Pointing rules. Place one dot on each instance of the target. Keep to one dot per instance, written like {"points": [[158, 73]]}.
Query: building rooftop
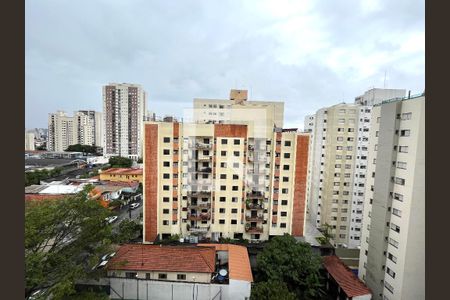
{"points": [[344, 277], [238, 261], [62, 189], [141, 257], [123, 171]]}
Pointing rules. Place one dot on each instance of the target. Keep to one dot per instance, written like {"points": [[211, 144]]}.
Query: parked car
{"points": [[134, 205], [111, 219]]}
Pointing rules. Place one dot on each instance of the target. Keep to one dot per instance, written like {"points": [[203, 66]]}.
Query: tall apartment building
{"points": [[392, 257], [84, 127], [61, 131], [376, 95], [309, 123], [237, 108], [89, 127], [337, 171], [29, 141], [234, 175], [124, 109]]}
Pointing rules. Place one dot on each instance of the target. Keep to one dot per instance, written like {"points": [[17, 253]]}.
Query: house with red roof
{"points": [[203, 271], [342, 282]]}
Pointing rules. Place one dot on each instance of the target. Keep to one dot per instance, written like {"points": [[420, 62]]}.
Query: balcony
{"points": [[255, 195], [199, 217], [204, 170], [197, 229], [198, 193], [199, 205], [199, 146], [253, 205], [256, 229], [257, 218]]}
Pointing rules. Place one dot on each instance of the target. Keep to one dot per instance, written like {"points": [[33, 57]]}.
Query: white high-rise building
{"points": [[124, 109], [376, 95], [392, 257], [29, 141], [84, 128]]}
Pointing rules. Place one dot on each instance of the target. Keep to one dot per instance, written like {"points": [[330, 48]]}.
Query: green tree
{"points": [[284, 259], [82, 148], [120, 162], [271, 290], [127, 230], [64, 239]]}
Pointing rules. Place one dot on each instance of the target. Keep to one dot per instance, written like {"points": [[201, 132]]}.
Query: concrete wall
{"points": [[122, 288]]}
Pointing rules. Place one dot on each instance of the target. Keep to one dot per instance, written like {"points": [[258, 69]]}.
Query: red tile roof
{"points": [[123, 171], [38, 197], [140, 257], [238, 260], [346, 279], [132, 184]]}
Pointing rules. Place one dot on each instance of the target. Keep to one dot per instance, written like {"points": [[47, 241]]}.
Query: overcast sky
{"points": [[309, 54]]}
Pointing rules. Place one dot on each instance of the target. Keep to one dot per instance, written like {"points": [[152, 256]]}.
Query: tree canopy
{"points": [[35, 177], [120, 162], [293, 263], [64, 239], [83, 148], [271, 290]]}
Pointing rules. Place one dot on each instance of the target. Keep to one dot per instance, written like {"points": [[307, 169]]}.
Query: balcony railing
{"points": [[199, 146], [257, 229], [251, 205], [199, 217], [198, 229], [199, 205], [258, 218], [198, 193], [255, 194]]}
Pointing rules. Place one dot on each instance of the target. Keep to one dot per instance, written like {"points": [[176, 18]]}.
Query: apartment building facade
{"points": [[124, 110], [223, 180], [377, 95], [236, 108], [29, 141], [392, 257], [89, 127]]}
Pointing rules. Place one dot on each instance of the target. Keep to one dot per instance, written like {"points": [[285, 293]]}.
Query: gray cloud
{"points": [[308, 54]]}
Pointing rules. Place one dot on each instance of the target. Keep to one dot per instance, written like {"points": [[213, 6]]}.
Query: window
{"points": [[223, 176], [166, 151], [165, 222], [287, 143], [132, 275], [166, 211], [223, 187], [349, 148], [147, 276], [223, 164], [282, 225], [166, 176], [341, 121], [399, 181], [284, 202], [401, 165], [348, 157], [237, 142], [389, 287], [342, 111], [233, 221], [236, 153], [224, 141], [342, 236], [166, 140], [351, 130], [223, 153], [166, 199], [395, 228], [339, 138], [397, 212], [405, 132], [222, 221], [287, 155], [403, 149], [338, 147], [222, 199], [393, 242], [181, 276], [236, 165], [235, 188], [398, 197], [235, 177], [285, 167], [222, 210], [234, 210], [285, 179], [284, 191], [390, 272], [392, 258], [165, 187], [340, 129], [350, 139], [338, 156], [166, 164], [234, 199], [162, 276], [406, 116]]}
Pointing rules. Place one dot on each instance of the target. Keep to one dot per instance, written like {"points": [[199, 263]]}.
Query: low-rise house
{"points": [[108, 191], [342, 283], [206, 271], [122, 174]]}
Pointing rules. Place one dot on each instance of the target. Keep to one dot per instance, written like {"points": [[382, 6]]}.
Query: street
{"points": [[125, 214]]}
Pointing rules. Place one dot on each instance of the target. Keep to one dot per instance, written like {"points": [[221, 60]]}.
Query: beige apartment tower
{"points": [[233, 178], [392, 257]]}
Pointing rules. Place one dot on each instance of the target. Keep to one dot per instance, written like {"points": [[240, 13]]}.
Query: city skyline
{"points": [[247, 46]]}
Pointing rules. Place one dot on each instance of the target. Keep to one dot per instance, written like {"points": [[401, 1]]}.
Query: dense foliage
{"points": [[120, 162], [271, 290], [293, 263], [82, 148], [64, 239], [34, 177]]}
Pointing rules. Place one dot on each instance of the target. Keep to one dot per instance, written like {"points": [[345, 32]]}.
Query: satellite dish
{"points": [[223, 272]]}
